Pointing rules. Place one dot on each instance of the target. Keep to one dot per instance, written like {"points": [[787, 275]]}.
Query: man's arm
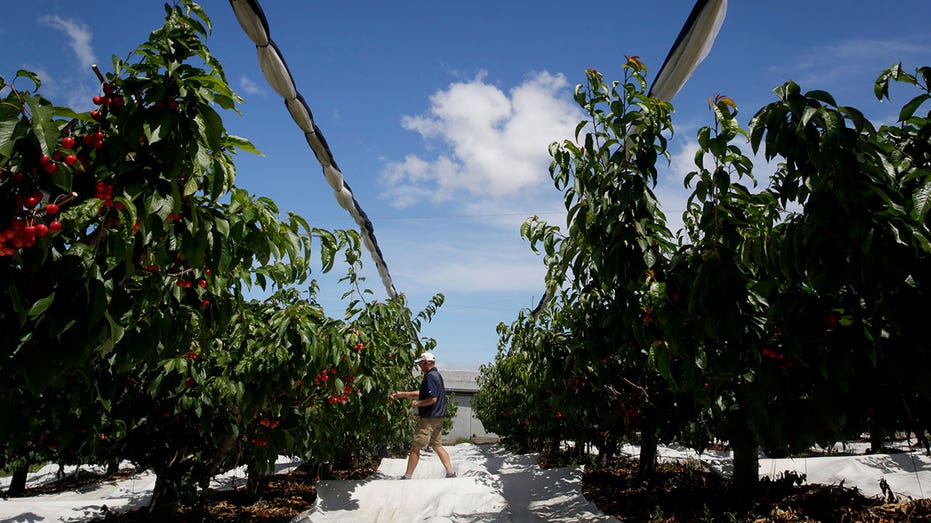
{"points": [[412, 394], [424, 403]]}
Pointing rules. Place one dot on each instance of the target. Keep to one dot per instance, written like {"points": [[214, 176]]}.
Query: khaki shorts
{"points": [[429, 432]]}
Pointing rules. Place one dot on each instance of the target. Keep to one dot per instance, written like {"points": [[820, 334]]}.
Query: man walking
{"points": [[430, 401]]}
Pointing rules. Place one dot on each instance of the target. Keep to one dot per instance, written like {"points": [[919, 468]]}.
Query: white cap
{"points": [[426, 356]]}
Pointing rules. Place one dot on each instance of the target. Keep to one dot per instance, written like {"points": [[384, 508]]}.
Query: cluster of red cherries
{"points": [[26, 226]]}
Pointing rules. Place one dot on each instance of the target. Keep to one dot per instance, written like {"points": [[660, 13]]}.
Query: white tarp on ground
{"points": [[492, 486], [95, 500]]}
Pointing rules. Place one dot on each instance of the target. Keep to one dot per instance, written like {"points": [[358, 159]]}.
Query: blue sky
{"points": [[440, 114]]}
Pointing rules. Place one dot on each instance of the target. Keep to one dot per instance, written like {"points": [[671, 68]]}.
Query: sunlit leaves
{"points": [[785, 298], [134, 316]]}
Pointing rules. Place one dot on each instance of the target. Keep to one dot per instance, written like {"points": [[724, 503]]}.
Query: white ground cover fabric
{"points": [[492, 485]]}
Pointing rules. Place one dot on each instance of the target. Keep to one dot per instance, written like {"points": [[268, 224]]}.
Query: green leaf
{"points": [[913, 106], [881, 86], [704, 138], [191, 185], [243, 144], [159, 204], [115, 334], [22, 73], [921, 202], [41, 306], [222, 226], [211, 127], [129, 210], [45, 130], [833, 123], [822, 96], [10, 121], [157, 126], [808, 114]]}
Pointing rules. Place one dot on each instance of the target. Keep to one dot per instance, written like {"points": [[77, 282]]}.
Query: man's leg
{"points": [[412, 460], [436, 443], [444, 458]]}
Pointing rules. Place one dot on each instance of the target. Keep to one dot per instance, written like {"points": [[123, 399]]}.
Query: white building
{"points": [[463, 385]]}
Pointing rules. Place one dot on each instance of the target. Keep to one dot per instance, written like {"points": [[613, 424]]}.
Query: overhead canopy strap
{"points": [[252, 19]]}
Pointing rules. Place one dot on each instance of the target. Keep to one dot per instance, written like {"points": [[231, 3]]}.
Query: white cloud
{"points": [[250, 86], [495, 144], [80, 36]]}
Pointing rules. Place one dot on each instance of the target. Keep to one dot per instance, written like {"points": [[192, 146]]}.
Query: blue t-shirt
{"points": [[432, 387]]}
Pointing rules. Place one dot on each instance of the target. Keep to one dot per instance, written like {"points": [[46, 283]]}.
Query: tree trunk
{"points": [[165, 497], [256, 483], [876, 439], [746, 461], [648, 445], [18, 481], [343, 459], [607, 450]]}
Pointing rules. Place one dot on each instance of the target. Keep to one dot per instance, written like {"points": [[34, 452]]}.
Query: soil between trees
{"points": [[677, 493]]}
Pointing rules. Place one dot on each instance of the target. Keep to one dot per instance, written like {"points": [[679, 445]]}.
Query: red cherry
{"points": [[51, 209], [71, 160], [32, 201], [44, 159], [118, 102], [98, 100], [207, 272], [96, 115], [202, 283], [54, 226], [41, 230], [67, 142], [30, 230], [205, 303], [108, 89], [189, 382], [56, 155], [50, 167]]}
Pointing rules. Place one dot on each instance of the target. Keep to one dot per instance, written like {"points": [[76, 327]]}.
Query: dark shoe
{"points": [[450, 474], [405, 477]]}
